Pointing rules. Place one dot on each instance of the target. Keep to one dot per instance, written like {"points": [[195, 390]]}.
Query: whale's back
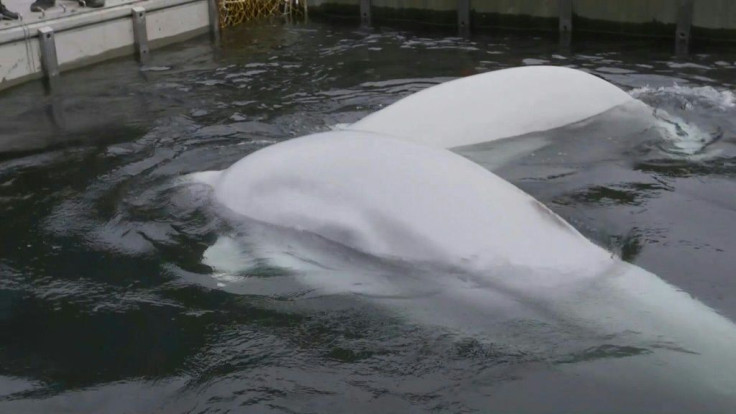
{"points": [[391, 198], [495, 105]]}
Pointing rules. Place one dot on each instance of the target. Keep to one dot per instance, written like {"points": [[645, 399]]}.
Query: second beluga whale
{"points": [[496, 105], [466, 113], [365, 210]]}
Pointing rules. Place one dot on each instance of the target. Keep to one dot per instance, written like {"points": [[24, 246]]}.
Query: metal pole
{"points": [[463, 17], [565, 24], [140, 34], [684, 24], [365, 12], [565, 16], [214, 20], [49, 61]]}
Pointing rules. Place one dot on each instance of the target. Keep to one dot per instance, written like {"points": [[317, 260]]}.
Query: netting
{"points": [[235, 12]]}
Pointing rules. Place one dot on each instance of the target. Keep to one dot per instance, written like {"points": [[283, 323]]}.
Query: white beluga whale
{"points": [[496, 105], [383, 207], [522, 102], [499, 249], [369, 212]]}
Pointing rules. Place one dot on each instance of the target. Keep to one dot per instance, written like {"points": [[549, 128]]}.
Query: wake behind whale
{"points": [[389, 219]]}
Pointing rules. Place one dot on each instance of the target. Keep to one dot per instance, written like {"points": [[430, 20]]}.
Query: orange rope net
{"points": [[235, 12]]}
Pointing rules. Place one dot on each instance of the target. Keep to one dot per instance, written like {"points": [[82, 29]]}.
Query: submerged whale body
{"points": [[494, 249]]}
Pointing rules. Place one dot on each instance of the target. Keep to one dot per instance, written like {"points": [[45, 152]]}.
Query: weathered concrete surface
{"points": [[715, 14], [628, 11], [714, 18], [63, 8], [439, 5], [84, 35], [535, 8]]}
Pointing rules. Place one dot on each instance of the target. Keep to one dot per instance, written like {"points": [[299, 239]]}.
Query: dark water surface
{"points": [[105, 305]]}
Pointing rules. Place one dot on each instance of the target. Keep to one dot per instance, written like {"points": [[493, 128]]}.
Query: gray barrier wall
{"points": [[706, 19], [44, 47]]}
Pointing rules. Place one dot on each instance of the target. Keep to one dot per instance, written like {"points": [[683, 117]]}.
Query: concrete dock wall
{"points": [[84, 38], [713, 19], [628, 11], [438, 5], [536, 8], [715, 14]]}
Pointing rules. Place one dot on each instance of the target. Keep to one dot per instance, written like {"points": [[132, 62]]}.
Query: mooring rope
{"points": [[30, 56]]}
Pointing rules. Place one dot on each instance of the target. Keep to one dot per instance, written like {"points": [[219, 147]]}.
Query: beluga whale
{"points": [[468, 114], [496, 105], [387, 216]]}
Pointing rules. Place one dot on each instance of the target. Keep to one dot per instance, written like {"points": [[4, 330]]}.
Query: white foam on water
{"points": [[203, 177], [707, 96], [674, 106], [681, 138]]}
